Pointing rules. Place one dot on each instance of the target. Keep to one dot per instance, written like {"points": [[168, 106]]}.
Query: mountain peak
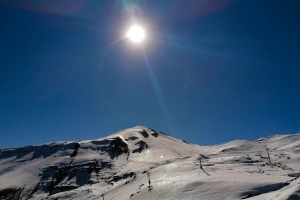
{"points": [[142, 163]]}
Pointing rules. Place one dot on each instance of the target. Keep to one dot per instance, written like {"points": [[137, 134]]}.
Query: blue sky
{"points": [[208, 72]]}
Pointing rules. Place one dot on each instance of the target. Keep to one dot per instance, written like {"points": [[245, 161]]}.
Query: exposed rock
{"points": [[142, 146], [155, 134], [144, 133], [10, 193], [119, 146]]}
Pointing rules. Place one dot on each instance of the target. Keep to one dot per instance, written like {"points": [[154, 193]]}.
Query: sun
{"points": [[136, 34]]}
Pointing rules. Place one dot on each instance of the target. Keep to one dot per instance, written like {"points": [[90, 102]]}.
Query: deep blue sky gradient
{"points": [[208, 72]]}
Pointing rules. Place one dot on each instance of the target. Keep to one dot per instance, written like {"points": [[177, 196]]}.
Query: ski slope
{"points": [[140, 163]]}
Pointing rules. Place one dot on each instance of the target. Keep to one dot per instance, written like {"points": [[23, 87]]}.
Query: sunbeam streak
{"points": [[158, 92], [205, 50]]}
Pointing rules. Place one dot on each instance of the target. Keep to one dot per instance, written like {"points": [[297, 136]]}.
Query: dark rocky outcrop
{"points": [[155, 134], [144, 133], [76, 147], [132, 138], [142, 146], [119, 146], [55, 178], [10, 193]]}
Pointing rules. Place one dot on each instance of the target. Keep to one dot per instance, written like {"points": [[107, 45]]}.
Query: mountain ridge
{"points": [[121, 165]]}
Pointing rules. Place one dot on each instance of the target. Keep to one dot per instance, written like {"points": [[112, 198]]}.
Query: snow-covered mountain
{"points": [[141, 163]]}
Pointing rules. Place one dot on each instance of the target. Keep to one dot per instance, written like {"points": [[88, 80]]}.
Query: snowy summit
{"points": [[141, 163]]}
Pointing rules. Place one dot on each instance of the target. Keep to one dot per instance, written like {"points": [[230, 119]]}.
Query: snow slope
{"points": [[141, 163]]}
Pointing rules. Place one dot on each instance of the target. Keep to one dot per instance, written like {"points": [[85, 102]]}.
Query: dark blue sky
{"points": [[209, 71]]}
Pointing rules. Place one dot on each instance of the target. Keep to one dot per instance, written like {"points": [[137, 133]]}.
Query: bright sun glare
{"points": [[136, 34]]}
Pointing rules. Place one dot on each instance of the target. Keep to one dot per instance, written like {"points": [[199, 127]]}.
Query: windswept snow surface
{"points": [[141, 163]]}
